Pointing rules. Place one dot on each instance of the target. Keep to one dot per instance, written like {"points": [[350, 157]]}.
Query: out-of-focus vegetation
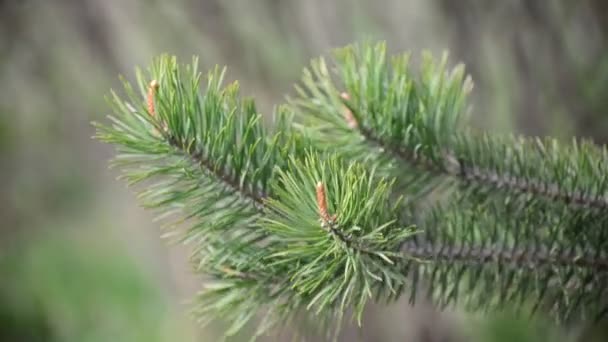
{"points": [[81, 262], [64, 288]]}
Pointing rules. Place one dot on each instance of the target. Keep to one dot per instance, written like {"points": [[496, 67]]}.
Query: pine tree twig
{"points": [[396, 115], [230, 182], [189, 150], [329, 223], [401, 153], [453, 166], [531, 258], [531, 186], [321, 228]]}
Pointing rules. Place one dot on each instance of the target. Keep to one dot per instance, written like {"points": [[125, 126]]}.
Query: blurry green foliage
{"points": [[58, 289], [505, 328]]}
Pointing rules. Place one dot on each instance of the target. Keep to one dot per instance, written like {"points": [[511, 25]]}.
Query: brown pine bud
{"points": [[322, 203], [152, 88], [348, 114]]}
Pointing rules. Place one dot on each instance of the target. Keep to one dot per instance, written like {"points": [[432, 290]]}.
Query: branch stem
{"points": [[229, 181], [529, 257], [488, 178]]}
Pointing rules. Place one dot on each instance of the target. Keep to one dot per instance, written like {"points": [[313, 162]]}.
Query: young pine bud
{"points": [[152, 88], [348, 114], [322, 204]]}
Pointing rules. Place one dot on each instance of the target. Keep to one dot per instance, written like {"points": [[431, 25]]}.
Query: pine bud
{"points": [[348, 114], [322, 203], [152, 88]]}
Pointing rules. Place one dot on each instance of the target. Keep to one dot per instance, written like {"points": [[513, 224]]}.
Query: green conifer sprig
{"points": [[366, 108], [338, 223], [369, 108], [204, 159], [307, 220], [412, 126], [520, 262], [246, 195]]}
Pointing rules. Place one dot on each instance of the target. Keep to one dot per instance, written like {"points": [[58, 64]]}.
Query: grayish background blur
{"points": [[79, 261]]}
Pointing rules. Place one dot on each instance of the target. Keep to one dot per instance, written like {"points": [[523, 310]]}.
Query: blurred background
{"points": [[80, 261]]}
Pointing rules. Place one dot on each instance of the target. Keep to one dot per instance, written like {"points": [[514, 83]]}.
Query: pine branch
{"points": [[283, 226], [230, 181], [411, 127], [344, 238], [471, 257], [385, 114], [468, 173], [530, 257], [209, 157]]}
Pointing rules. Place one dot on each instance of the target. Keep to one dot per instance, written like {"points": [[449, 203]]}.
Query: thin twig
{"points": [[490, 178], [529, 257]]}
